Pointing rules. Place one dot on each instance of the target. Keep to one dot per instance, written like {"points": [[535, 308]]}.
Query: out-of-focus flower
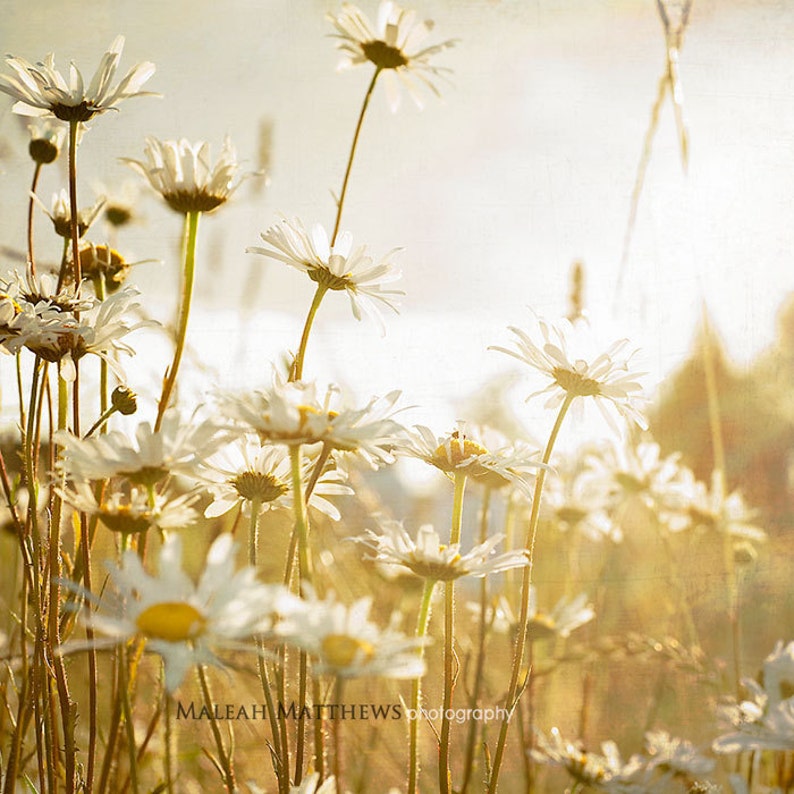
{"points": [[393, 45], [41, 90], [183, 174], [46, 140], [106, 264], [247, 472], [61, 214], [567, 615], [604, 377], [428, 558], [309, 785], [678, 756], [346, 644], [338, 268], [177, 448], [458, 453], [183, 622]]}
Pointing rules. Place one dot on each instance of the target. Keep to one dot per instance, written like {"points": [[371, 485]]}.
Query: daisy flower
{"points": [[177, 448], [183, 174], [456, 452], [346, 644], [678, 756], [567, 615], [249, 472], [46, 140], [338, 268], [41, 90], [61, 214], [428, 558], [183, 622], [132, 512], [604, 377], [393, 45]]}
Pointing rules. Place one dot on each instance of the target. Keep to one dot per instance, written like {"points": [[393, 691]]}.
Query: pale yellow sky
{"points": [[526, 165]]}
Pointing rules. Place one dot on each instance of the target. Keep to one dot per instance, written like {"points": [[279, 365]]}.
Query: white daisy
{"points": [[41, 90], [338, 268], [247, 471], [604, 377], [457, 452], [183, 174], [567, 615], [346, 644], [394, 46], [309, 785], [134, 511], [678, 756], [428, 558], [177, 448], [46, 140], [61, 214], [183, 622]]}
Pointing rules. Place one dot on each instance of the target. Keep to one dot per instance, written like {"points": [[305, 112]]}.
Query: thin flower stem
{"points": [[76, 264], [297, 365], [521, 631], [129, 726], [188, 277], [169, 739], [224, 757], [319, 730], [33, 185], [337, 732], [341, 203], [450, 674], [422, 622], [479, 667]]}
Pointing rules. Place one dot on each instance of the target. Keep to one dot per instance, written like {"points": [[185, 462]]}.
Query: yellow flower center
{"points": [[251, 485], [173, 621], [383, 55], [576, 384], [196, 200], [452, 454], [341, 650], [329, 280], [122, 518]]}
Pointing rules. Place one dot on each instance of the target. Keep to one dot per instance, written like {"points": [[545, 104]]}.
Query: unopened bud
{"points": [[124, 400]]}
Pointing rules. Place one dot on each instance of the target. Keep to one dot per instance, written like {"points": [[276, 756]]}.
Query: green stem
{"points": [[297, 365], [450, 674], [224, 757], [340, 205], [422, 622], [188, 277], [521, 631]]}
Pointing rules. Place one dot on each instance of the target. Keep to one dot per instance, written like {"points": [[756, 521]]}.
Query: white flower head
{"points": [[567, 615], [425, 556], [393, 45], [61, 214], [183, 173], [346, 644], [337, 268], [47, 137], [41, 90], [184, 622], [678, 756], [581, 373], [311, 785]]}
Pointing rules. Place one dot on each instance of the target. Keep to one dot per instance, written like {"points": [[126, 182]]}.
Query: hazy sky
{"points": [[526, 165]]}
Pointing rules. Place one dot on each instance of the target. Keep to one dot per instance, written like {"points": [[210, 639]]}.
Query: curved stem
{"points": [[422, 622], [188, 276], [297, 365], [341, 203], [450, 674], [34, 183], [521, 631]]}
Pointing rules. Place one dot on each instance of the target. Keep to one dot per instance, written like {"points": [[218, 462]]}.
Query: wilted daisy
{"points": [[61, 214], [393, 45], [46, 140], [183, 622], [346, 644], [458, 453], [604, 377], [426, 557], [338, 268], [41, 90], [248, 472], [133, 511], [183, 173], [178, 447]]}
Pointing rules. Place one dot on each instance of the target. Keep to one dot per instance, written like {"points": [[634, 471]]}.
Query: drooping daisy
{"points": [[604, 377], [134, 511], [346, 644], [426, 557], [41, 90], [248, 472], [393, 45], [46, 140], [457, 452], [178, 447], [186, 623], [183, 174], [61, 214], [338, 268]]}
